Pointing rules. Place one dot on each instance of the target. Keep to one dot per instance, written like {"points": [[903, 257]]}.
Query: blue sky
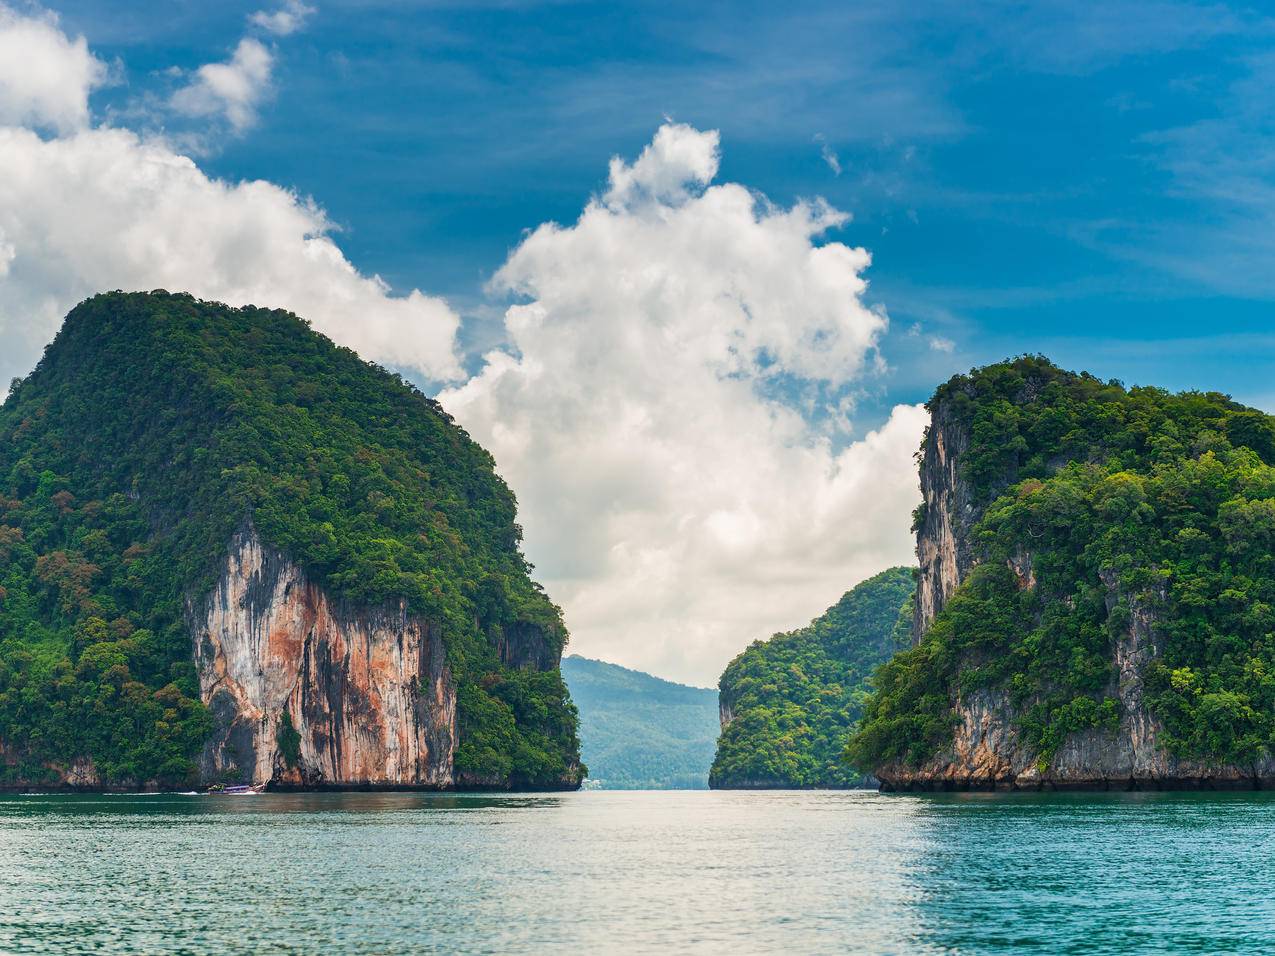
{"points": [[1089, 181], [707, 422]]}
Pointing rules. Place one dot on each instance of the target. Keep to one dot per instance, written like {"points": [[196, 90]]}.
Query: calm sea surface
{"points": [[667, 872]]}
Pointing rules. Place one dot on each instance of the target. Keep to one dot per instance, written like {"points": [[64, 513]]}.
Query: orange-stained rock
{"points": [[368, 691]]}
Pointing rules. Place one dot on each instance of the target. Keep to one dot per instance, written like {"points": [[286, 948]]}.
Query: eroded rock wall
{"points": [[79, 774], [725, 710], [368, 694], [943, 541]]}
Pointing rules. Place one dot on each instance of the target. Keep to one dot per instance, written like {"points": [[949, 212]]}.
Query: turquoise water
{"points": [[650, 872]]}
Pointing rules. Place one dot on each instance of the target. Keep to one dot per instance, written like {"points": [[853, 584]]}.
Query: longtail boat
{"points": [[235, 790]]}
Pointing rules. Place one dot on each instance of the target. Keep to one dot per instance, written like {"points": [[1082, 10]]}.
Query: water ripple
{"points": [[684, 872]]}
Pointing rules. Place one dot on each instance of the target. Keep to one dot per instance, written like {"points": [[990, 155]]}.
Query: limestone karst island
{"points": [[236, 554]]}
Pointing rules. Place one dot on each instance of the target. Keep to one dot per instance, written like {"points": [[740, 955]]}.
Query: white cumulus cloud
{"points": [[233, 90], [284, 21], [651, 408], [99, 208], [45, 76], [677, 159]]}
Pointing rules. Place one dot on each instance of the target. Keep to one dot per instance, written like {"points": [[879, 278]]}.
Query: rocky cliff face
{"points": [[80, 774], [725, 711], [527, 646], [987, 751], [943, 541], [305, 692]]}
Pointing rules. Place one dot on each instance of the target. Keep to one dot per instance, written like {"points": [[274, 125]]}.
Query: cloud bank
{"points": [[92, 208], [656, 412]]}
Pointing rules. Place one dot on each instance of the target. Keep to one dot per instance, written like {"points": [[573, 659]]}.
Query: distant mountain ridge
{"points": [[638, 731]]}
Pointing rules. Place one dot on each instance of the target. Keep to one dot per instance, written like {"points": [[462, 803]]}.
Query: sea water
{"points": [[638, 872]]}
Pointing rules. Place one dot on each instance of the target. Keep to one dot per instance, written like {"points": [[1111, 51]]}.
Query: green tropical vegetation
{"points": [[638, 732], [157, 425], [1127, 501], [793, 699]]}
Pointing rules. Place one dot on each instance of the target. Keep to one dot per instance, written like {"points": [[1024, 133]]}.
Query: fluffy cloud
{"points": [[233, 89], [45, 76], [655, 412], [286, 20], [100, 208], [678, 159]]}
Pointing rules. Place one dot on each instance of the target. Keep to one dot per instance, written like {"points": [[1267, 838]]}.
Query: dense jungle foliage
{"points": [[794, 698], [639, 732], [1128, 504], [157, 425]]}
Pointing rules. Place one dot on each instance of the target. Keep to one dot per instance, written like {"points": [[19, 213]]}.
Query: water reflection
{"points": [[186, 804]]}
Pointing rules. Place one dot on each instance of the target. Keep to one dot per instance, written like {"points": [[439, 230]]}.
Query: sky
{"points": [[687, 270]]}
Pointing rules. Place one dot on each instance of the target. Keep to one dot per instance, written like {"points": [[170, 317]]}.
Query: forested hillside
{"points": [[1114, 551], [154, 428], [788, 703]]}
